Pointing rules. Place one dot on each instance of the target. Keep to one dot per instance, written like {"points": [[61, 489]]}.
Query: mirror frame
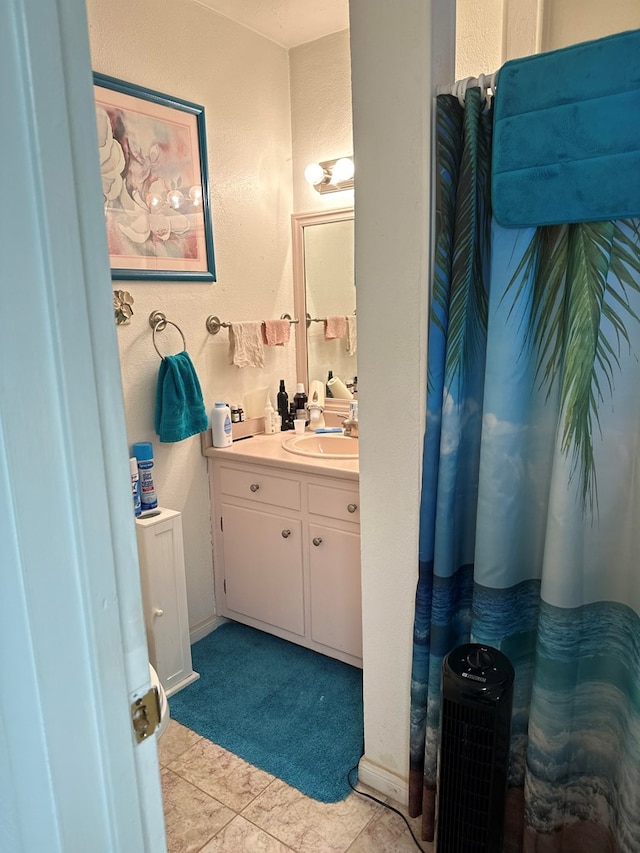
{"points": [[299, 221]]}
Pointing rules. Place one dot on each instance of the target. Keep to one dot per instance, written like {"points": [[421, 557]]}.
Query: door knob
{"points": [[352, 507], [286, 534], [254, 487], [317, 541], [158, 611]]}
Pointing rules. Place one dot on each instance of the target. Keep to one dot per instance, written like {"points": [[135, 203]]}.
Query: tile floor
{"points": [[214, 802]]}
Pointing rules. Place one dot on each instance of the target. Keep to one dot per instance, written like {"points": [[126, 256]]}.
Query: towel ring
{"points": [[159, 323]]}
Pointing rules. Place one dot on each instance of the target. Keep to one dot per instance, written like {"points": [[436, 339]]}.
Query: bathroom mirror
{"points": [[324, 286]]}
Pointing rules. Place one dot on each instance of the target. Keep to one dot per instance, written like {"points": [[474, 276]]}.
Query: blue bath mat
{"points": [[566, 146], [283, 708]]}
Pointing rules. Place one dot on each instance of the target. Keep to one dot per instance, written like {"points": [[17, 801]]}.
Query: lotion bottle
{"points": [[269, 419]]}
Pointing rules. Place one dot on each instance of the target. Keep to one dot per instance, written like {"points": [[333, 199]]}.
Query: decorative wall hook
{"points": [[122, 302]]}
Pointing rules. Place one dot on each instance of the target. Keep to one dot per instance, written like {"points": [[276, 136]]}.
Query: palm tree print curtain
{"points": [[530, 511]]}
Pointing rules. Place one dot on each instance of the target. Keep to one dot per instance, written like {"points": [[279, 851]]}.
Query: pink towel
{"points": [[275, 333], [335, 327], [245, 344]]}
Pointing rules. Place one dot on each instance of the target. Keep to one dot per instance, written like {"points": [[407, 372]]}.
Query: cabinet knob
{"points": [[286, 534], [254, 487], [352, 507], [158, 611], [317, 540]]}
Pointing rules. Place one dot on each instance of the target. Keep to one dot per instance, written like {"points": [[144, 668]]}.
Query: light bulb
{"points": [[342, 170], [175, 198], [314, 173], [153, 201]]}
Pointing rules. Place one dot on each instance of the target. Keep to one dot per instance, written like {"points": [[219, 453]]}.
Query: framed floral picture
{"points": [[153, 163]]}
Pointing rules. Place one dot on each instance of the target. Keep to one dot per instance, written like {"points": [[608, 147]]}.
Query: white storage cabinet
{"points": [[287, 555]]}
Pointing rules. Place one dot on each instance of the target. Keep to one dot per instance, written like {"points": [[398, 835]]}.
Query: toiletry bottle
{"points": [[283, 405], [235, 414], [300, 398], [269, 419], [328, 391], [221, 425], [143, 452], [135, 486]]}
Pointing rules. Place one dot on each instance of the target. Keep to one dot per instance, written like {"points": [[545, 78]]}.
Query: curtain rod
{"points": [[484, 81]]}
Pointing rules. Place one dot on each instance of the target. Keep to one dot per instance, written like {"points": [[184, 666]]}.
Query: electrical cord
{"points": [[386, 806]]}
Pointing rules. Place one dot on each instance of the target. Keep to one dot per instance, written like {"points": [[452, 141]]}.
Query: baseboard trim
{"points": [[200, 631], [384, 781]]}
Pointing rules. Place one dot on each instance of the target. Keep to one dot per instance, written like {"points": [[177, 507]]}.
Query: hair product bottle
{"points": [[143, 452], [328, 391], [282, 403], [135, 485]]}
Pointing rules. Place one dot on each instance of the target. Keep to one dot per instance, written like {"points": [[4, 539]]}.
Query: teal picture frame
{"points": [[155, 181]]}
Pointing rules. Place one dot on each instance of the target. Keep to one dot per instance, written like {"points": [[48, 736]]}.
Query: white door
{"points": [[72, 647]]}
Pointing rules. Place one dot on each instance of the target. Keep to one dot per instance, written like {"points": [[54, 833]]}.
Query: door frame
{"points": [[73, 652]]}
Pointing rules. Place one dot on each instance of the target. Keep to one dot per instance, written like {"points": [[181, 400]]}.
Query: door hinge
{"points": [[145, 714]]}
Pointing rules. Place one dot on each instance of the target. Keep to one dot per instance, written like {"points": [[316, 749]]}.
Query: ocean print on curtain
{"points": [[530, 512]]}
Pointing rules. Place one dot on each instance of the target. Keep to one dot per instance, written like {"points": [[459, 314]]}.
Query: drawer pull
{"points": [[286, 534], [317, 540], [352, 507], [158, 611], [254, 487]]}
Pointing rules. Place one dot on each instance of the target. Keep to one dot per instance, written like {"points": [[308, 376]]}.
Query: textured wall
{"points": [[242, 80], [320, 115], [571, 21], [479, 37]]}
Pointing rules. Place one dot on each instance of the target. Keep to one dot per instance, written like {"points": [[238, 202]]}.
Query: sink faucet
{"points": [[350, 424]]}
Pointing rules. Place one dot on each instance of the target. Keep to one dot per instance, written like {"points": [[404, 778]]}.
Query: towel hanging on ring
{"points": [[180, 411]]}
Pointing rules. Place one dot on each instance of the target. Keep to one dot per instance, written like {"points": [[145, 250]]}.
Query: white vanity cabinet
{"points": [[286, 547]]}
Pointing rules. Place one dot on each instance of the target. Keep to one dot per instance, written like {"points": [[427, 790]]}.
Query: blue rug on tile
{"points": [[283, 708]]}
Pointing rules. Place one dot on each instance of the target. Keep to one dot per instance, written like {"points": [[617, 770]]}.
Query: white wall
{"points": [[396, 61], [321, 116], [242, 80], [570, 21]]}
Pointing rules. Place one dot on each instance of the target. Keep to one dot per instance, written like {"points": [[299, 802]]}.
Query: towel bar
{"points": [[214, 324]]}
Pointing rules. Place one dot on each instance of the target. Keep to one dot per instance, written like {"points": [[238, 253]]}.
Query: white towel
{"points": [[245, 344], [352, 335]]}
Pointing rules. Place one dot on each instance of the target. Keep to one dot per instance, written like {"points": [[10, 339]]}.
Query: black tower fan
{"points": [[473, 760]]}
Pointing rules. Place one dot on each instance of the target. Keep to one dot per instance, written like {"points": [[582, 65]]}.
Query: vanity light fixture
{"points": [[331, 176]]}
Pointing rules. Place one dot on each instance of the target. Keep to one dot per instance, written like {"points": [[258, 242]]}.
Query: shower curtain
{"points": [[530, 510]]}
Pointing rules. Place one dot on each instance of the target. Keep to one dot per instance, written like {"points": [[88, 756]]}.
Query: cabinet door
{"points": [[334, 573], [164, 590], [263, 567]]}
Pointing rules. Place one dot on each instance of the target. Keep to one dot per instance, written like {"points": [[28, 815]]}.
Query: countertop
{"points": [[268, 450]]}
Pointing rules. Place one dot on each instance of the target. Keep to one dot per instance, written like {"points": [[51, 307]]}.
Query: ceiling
{"points": [[287, 22]]}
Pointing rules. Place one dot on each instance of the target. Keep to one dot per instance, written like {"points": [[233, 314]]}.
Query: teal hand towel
{"points": [[180, 410], [566, 139]]}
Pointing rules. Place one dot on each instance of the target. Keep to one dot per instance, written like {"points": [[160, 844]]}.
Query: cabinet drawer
{"points": [[334, 503], [264, 488]]}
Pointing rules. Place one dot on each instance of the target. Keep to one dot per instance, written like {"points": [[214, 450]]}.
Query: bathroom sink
{"points": [[325, 446]]}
